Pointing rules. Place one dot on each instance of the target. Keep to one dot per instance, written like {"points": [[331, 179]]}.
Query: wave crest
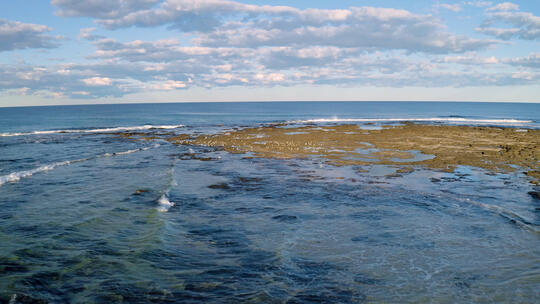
{"points": [[429, 119], [16, 176], [164, 203], [103, 130]]}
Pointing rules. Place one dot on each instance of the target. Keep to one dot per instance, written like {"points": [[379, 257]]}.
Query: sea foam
{"points": [[429, 119], [16, 176], [103, 130], [164, 203]]}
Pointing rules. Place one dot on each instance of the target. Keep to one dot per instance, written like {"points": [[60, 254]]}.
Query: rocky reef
{"points": [[433, 146], [440, 147]]}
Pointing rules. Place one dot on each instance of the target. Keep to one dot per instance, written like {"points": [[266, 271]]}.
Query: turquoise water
{"points": [[88, 216]]}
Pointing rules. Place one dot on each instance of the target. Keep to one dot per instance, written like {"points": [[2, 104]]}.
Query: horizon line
{"points": [[266, 101]]}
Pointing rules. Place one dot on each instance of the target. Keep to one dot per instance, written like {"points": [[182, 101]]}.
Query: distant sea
{"points": [[87, 215]]}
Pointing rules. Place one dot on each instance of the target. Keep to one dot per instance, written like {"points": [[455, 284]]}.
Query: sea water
{"points": [[90, 216]]}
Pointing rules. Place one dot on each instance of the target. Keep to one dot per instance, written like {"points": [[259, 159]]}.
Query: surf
{"points": [[164, 203], [101, 130], [17, 176], [428, 119]]}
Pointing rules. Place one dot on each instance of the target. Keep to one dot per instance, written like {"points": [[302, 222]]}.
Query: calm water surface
{"points": [[89, 216]]}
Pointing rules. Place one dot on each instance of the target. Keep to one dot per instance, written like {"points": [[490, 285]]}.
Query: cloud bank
{"points": [[220, 43], [16, 35], [522, 25]]}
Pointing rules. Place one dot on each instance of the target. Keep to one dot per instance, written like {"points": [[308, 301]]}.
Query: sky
{"points": [[129, 51]]}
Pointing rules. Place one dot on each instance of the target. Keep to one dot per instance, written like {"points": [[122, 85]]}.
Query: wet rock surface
{"points": [[493, 149]]}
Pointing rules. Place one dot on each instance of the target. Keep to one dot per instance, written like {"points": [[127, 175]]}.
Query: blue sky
{"points": [[105, 51]]}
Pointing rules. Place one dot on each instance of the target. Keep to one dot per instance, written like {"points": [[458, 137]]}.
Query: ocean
{"points": [[89, 215]]}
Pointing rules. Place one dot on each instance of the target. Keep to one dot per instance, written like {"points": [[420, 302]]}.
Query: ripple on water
{"points": [[280, 231]]}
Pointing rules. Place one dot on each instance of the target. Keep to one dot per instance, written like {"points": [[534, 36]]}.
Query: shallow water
{"points": [[148, 221]]}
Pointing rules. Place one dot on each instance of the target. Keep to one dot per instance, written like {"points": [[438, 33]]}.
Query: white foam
{"points": [[164, 203], [16, 176], [123, 152], [128, 152], [430, 119], [104, 130]]}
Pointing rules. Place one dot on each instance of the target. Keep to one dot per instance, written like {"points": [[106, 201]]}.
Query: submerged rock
{"points": [[219, 186], [405, 170], [140, 191], [366, 280], [285, 218], [535, 174], [12, 265], [207, 158], [535, 194], [250, 179]]}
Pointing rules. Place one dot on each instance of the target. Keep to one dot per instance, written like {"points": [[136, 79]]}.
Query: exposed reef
{"points": [[432, 146], [440, 147]]}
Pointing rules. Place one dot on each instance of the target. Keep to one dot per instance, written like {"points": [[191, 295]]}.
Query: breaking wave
{"points": [[430, 119], [103, 130], [128, 151], [16, 176], [164, 203]]}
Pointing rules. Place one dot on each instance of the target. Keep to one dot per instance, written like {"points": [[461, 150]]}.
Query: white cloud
{"points": [[369, 28], [20, 91], [117, 77], [16, 35], [167, 85], [236, 44], [81, 93], [523, 25], [502, 33], [478, 3], [190, 15], [97, 81], [505, 6], [53, 82], [86, 33], [100, 8], [469, 59], [531, 61], [269, 77], [222, 23], [451, 7], [524, 75]]}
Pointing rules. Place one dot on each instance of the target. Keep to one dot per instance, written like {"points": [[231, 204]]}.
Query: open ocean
{"points": [[90, 216]]}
